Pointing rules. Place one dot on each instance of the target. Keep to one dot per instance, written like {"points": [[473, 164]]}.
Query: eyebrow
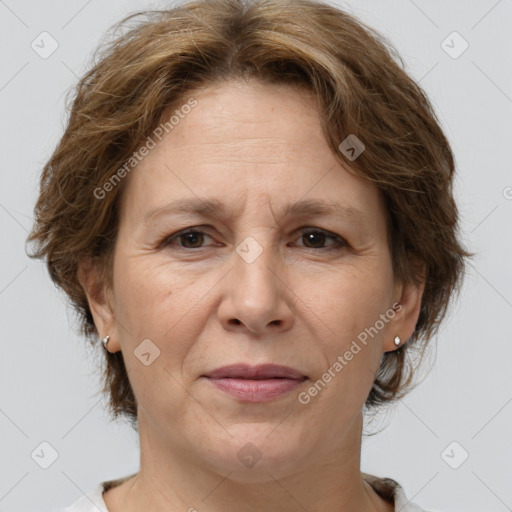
{"points": [[215, 208]]}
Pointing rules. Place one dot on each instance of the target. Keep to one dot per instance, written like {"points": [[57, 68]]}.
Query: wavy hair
{"points": [[159, 57]]}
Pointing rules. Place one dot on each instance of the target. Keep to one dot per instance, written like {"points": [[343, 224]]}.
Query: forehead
{"points": [[271, 121], [244, 140]]}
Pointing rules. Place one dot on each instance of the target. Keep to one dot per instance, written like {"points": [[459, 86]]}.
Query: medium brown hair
{"points": [[361, 88]]}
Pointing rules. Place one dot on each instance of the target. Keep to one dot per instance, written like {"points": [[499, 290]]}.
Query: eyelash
{"points": [[339, 243]]}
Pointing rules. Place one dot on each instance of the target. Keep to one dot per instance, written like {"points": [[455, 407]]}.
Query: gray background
{"points": [[48, 388]]}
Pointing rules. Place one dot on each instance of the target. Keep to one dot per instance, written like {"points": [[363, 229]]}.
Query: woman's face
{"points": [[259, 280]]}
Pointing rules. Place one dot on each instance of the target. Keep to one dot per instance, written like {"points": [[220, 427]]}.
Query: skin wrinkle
{"points": [[258, 149], [294, 305]]}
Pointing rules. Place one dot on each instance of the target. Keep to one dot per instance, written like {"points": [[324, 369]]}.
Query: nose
{"points": [[257, 298]]}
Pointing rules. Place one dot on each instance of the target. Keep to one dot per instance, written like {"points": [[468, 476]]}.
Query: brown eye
{"points": [[312, 238], [191, 239], [194, 238], [316, 239]]}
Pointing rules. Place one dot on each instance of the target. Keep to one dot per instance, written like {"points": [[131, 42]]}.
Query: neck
{"points": [[171, 480]]}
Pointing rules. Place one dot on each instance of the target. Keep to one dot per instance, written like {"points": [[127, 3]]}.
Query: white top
{"points": [[386, 487]]}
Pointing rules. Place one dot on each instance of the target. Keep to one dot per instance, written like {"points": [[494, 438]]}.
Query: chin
{"points": [[257, 453]]}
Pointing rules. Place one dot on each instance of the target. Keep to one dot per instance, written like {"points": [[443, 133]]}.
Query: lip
{"points": [[261, 383], [260, 372]]}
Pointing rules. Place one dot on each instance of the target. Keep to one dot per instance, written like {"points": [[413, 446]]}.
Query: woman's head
{"points": [[251, 104]]}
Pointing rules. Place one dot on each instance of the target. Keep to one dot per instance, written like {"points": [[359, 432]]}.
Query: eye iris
{"points": [[195, 239], [191, 237], [312, 234]]}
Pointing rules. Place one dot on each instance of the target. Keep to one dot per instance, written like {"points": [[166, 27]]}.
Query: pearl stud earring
{"points": [[105, 341]]}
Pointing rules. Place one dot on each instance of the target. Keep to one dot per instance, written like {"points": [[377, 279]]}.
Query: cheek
{"points": [[149, 297], [351, 299], [164, 305], [349, 309], [155, 304]]}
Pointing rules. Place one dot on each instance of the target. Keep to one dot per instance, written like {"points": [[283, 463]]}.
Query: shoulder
{"points": [[388, 488], [93, 500], [392, 491]]}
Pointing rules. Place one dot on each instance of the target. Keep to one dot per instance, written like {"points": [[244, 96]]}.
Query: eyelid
{"points": [[199, 229], [339, 242]]}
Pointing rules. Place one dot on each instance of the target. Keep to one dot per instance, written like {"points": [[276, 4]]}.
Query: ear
{"points": [[408, 296], [98, 294]]}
